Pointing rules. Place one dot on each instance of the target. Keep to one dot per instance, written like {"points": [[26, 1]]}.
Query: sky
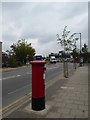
{"points": [[39, 23]]}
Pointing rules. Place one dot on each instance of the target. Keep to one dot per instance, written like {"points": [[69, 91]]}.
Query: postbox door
{"points": [[41, 89]]}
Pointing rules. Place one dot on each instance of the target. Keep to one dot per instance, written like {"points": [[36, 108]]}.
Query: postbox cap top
{"points": [[38, 61]]}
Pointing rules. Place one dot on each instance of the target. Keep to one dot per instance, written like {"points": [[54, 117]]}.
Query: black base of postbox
{"points": [[38, 103]]}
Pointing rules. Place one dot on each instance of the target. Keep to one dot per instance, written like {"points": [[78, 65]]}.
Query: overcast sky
{"points": [[39, 23]]}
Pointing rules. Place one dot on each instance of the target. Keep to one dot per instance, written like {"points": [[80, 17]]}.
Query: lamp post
{"points": [[80, 44], [80, 41]]}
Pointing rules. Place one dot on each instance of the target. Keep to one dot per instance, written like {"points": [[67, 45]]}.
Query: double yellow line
{"points": [[15, 104]]}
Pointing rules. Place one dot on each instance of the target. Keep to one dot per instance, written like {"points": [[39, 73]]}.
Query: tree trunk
{"points": [[74, 64], [66, 69], [65, 66]]}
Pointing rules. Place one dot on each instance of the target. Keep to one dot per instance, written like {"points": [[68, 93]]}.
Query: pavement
{"points": [[65, 98]]}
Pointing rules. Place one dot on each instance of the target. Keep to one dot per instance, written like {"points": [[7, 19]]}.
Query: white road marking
{"points": [[9, 77], [52, 68], [17, 90], [14, 76], [64, 87], [18, 75]]}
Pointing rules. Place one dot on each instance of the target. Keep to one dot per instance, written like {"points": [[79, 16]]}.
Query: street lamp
{"points": [[80, 41], [80, 45]]}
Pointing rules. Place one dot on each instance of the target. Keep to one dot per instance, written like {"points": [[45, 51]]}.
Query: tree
{"points": [[85, 52], [21, 49], [67, 42], [75, 53], [12, 62], [85, 49]]}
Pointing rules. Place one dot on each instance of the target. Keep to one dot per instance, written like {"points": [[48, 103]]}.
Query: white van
{"points": [[53, 59]]}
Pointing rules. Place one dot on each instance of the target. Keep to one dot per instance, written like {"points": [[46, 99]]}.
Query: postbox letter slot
{"points": [[43, 76]]}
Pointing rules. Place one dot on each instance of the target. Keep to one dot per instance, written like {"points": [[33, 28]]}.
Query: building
{"points": [[4, 59], [0, 54]]}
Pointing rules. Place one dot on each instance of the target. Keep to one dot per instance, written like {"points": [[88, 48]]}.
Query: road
{"points": [[17, 83]]}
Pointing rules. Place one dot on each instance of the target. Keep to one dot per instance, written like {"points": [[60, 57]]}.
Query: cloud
{"points": [[0, 22], [40, 22], [45, 1]]}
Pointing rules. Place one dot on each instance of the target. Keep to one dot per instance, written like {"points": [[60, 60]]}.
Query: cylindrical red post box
{"points": [[38, 85]]}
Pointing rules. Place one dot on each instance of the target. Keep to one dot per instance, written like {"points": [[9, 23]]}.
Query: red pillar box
{"points": [[38, 85]]}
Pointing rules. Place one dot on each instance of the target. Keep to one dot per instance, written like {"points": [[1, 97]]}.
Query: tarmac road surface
{"points": [[18, 82]]}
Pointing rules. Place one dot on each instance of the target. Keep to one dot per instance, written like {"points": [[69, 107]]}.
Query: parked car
{"points": [[61, 60], [5, 64], [68, 59], [27, 63], [58, 60]]}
